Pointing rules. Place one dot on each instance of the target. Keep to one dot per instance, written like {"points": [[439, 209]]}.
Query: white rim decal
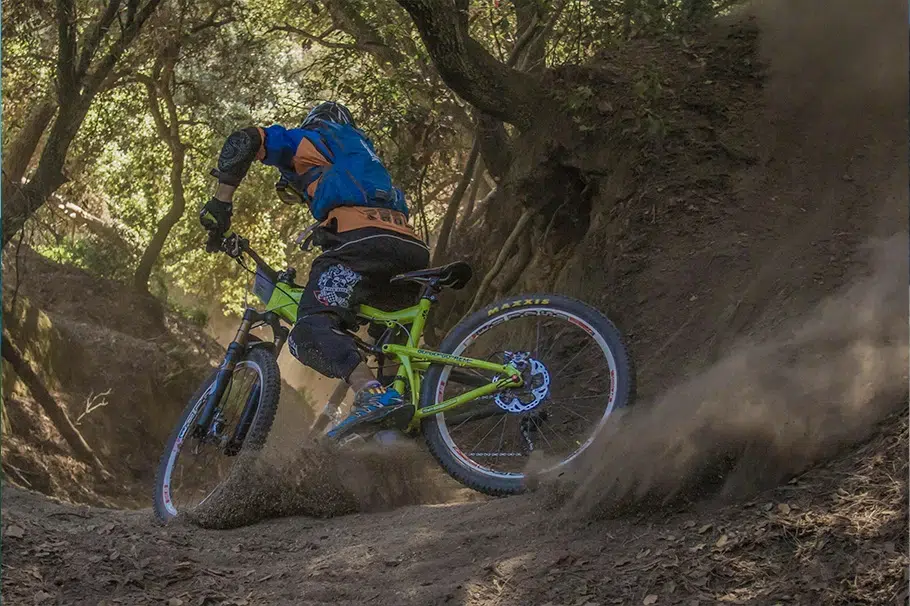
{"points": [[521, 312]]}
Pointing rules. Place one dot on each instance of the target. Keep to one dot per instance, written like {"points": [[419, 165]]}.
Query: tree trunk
{"points": [[168, 221], [476, 180], [346, 17], [495, 146], [54, 411], [49, 174], [530, 56], [469, 70], [19, 153], [697, 11], [448, 220], [78, 80], [96, 225]]}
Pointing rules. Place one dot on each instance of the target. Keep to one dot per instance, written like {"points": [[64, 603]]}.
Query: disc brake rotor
{"points": [[535, 389]]}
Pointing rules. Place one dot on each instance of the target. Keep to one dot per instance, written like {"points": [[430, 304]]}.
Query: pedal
{"points": [[400, 419], [390, 437]]}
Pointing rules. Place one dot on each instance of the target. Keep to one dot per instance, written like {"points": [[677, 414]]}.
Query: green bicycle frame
{"points": [[413, 361]]}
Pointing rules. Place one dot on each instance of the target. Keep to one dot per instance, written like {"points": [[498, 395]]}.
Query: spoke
{"points": [[463, 422], [473, 448], [473, 430], [502, 436], [572, 359], [560, 334], [572, 412], [541, 433], [581, 372], [558, 435], [597, 395]]}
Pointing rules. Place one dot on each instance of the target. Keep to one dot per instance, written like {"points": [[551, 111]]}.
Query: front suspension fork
{"points": [[234, 353], [246, 421]]}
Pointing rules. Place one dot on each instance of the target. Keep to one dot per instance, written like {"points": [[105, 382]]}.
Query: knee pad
{"points": [[315, 341]]}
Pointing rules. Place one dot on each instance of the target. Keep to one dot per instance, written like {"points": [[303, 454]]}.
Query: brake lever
{"points": [[233, 246]]}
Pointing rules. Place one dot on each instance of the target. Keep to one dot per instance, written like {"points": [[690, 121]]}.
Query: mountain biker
{"points": [[331, 166]]}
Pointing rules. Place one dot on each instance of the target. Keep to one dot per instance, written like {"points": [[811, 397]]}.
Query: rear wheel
{"points": [[193, 468], [577, 372]]}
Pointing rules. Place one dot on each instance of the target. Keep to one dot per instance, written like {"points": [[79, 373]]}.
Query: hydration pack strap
{"points": [[305, 238]]}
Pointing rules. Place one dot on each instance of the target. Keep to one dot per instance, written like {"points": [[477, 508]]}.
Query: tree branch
{"points": [[320, 40], [469, 70], [523, 41], [346, 17], [504, 253], [211, 21], [98, 226], [131, 8], [448, 220], [165, 91], [66, 51], [94, 36], [94, 80], [539, 41], [472, 196], [154, 108], [51, 407]]}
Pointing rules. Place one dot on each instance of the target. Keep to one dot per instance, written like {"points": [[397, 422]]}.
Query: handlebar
{"points": [[235, 245]]}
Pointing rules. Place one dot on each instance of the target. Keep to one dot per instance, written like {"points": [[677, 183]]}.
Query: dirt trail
{"points": [[791, 545], [771, 366]]}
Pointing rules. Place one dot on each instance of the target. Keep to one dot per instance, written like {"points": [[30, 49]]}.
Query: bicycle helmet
{"points": [[330, 112]]}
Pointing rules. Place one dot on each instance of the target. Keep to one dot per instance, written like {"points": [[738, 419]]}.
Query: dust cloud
{"points": [[765, 412], [318, 482], [295, 414], [835, 142]]}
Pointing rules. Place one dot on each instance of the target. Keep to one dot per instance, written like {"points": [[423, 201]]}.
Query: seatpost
{"points": [[429, 290]]}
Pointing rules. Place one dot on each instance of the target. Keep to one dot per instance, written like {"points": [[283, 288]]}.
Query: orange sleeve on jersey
{"points": [[307, 157]]}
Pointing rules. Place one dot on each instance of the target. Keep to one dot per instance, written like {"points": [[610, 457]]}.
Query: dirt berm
{"points": [[766, 302], [120, 365]]}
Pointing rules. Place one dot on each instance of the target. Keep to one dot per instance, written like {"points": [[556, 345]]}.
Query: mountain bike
{"points": [[528, 375]]}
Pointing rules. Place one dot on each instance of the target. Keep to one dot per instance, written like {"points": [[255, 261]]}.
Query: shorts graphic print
{"points": [[336, 285]]}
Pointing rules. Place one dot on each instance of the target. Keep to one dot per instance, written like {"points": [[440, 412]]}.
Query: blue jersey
{"points": [[332, 165]]}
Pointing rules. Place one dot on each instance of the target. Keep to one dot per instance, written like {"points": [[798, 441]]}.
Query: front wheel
{"points": [[193, 467], [576, 369]]}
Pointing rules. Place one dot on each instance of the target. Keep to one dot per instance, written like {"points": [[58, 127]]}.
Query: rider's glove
{"points": [[215, 217]]}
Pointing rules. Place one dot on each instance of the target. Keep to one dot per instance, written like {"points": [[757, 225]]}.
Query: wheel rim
{"points": [[555, 402], [231, 405]]}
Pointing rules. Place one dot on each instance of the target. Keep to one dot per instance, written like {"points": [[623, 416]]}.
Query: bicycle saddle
{"points": [[454, 275]]}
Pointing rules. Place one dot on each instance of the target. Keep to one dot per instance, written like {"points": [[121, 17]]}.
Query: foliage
{"points": [[90, 253], [264, 62]]}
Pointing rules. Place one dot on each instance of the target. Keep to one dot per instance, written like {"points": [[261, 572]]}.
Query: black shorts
{"points": [[357, 269], [354, 268]]}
